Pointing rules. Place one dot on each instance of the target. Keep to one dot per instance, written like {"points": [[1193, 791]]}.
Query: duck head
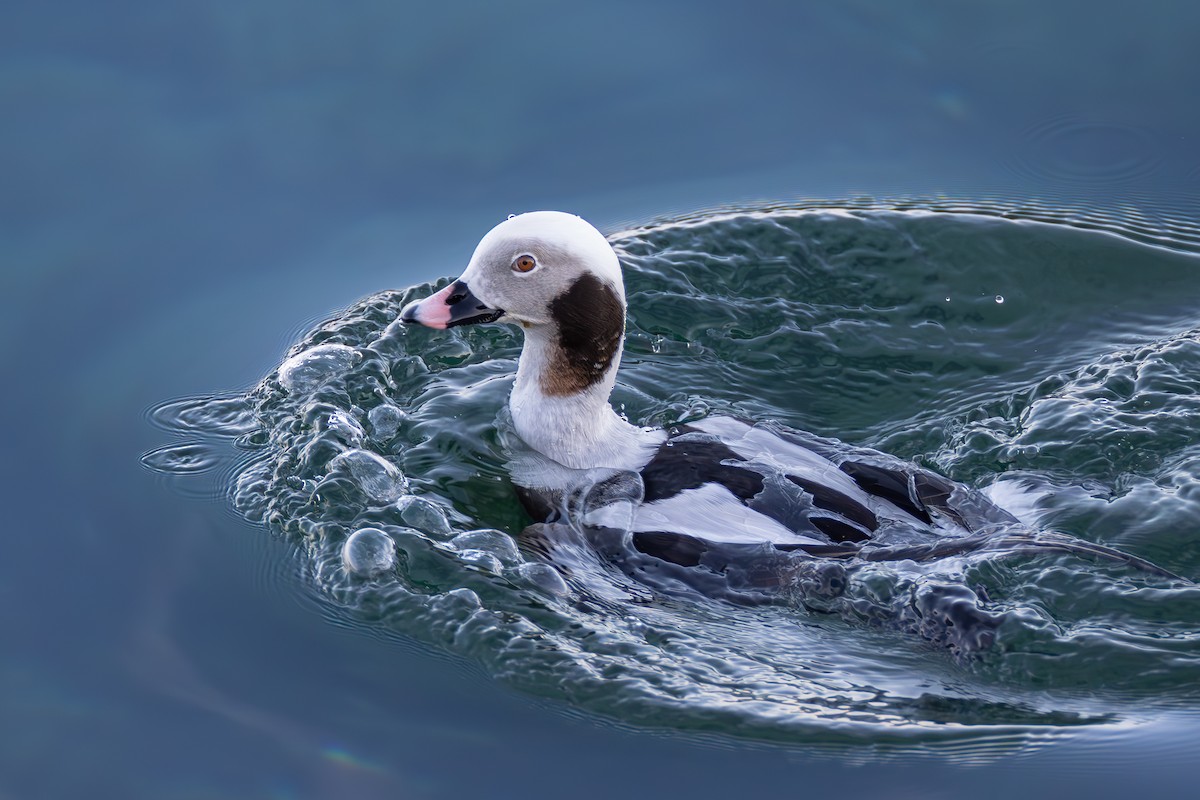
{"points": [[554, 275], [558, 278]]}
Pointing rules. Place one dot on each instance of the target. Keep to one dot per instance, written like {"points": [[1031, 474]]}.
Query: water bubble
{"points": [[423, 515], [385, 421], [346, 427], [368, 552], [482, 561], [461, 598], [306, 371], [999, 298], [376, 476], [497, 543], [544, 577]]}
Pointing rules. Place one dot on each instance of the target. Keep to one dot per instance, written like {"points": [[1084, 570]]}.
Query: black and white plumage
{"points": [[706, 490]]}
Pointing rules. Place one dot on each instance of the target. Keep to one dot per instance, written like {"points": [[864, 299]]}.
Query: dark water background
{"points": [[187, 188]]}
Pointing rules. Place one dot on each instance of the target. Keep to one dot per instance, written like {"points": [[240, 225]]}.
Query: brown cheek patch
{"points": [[591, 322]]}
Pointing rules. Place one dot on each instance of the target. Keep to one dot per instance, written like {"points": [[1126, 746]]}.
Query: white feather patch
{"points": [[713, 513]]}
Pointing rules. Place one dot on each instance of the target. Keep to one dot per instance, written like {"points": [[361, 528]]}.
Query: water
{"points": [[192, 191], [850, 321]]}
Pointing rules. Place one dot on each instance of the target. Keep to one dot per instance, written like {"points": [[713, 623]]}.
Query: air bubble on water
{"points": [[498, 543], [544, 577], [385, 421], [376, 476], [482, 561], [306, 371], [999, 298], [423, 515], [347, 427], [368, 552], [461, 598]]}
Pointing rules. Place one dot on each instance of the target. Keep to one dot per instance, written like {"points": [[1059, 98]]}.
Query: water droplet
{"points": [[368, 552]]}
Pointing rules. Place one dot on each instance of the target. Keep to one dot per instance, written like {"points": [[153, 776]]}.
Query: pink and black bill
{"points": [[454, 305]]}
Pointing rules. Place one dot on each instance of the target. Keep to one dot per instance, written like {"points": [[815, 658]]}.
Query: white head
{"points": [[558, 278]]}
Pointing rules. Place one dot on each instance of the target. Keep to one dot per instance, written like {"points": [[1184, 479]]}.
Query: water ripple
{"points": [[228, 415], [183, 459], [873, 320], [1081, 151]]}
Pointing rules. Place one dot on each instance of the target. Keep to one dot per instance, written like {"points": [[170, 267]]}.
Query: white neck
{"points": [[578, 430]]}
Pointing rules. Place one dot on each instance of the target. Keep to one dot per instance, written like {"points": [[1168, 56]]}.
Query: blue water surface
{"points": [[188, 187]]}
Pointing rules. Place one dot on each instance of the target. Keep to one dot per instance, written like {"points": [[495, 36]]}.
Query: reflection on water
{"points": [[1079, 412]]}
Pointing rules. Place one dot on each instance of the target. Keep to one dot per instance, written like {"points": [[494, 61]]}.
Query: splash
{"points": [[829, 319]]}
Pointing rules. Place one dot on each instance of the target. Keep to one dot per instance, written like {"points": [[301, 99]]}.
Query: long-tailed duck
{"points": [[701, 493]]}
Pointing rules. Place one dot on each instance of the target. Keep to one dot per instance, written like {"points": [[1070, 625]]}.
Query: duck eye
{"points": [[524, 264]]}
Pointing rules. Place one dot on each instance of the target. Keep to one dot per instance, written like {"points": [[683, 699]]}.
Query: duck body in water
{"points": [[701, 502]]}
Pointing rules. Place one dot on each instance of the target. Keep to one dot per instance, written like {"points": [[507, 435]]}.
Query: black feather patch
{"points": [[832, 500], [678, 548], [591, 324], [838, 531], [889, 484], [681, 465]]}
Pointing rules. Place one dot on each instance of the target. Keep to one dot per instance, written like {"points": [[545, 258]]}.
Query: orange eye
{"points": [[524, 263]]}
